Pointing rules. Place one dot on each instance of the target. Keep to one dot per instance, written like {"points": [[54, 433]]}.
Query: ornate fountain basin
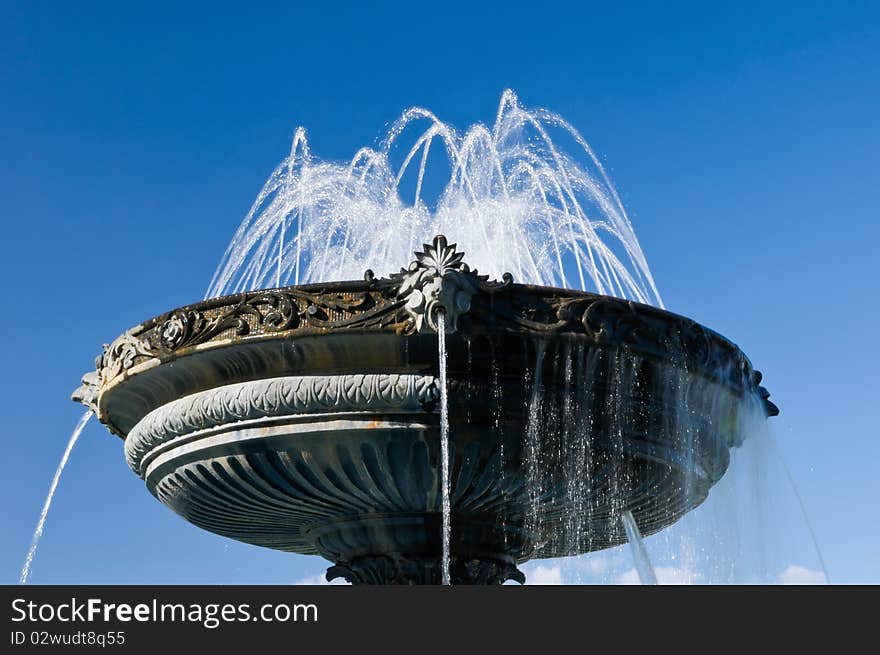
{"points": [[306, 418]]}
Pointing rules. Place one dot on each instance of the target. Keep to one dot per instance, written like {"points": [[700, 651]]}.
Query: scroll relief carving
{"points": [[437, 283]]}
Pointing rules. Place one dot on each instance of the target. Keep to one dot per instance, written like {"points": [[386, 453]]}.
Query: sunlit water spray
{"points": [[35, 541], [751, 529], [527, 196]]}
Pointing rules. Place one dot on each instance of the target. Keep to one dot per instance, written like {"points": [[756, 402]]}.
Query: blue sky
{"points": [[742, 138]]}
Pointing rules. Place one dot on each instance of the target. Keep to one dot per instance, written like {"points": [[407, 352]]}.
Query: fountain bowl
{"points": [[306, 418]]}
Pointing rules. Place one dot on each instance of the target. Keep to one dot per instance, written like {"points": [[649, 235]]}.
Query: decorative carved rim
{"points": [[405, 303]]}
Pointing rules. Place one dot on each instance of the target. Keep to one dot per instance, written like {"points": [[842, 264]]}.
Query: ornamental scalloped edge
{"points": [[407, 303]]}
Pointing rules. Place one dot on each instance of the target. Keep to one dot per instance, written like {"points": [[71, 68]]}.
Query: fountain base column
{"points": [[404, 550], [421, 570]]}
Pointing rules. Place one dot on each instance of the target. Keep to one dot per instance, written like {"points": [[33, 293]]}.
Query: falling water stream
{"points": [[35, 541], [444, 447], [640, 553], [803, 509]]}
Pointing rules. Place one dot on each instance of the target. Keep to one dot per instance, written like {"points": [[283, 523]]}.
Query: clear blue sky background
{"points": [[743, 139]]}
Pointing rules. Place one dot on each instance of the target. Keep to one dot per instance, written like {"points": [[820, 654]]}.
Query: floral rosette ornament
{"points": [[437, 283]]}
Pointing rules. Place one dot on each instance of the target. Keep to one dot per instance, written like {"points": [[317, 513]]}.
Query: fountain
{"points": [[307, 418], [432, 425]]}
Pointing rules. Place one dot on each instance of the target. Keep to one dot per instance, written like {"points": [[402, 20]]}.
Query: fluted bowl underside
{"points": [[345, 465]]}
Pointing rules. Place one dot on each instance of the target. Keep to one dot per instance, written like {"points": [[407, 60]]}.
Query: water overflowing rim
{"points": [[437, 286], [374, 306]]}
